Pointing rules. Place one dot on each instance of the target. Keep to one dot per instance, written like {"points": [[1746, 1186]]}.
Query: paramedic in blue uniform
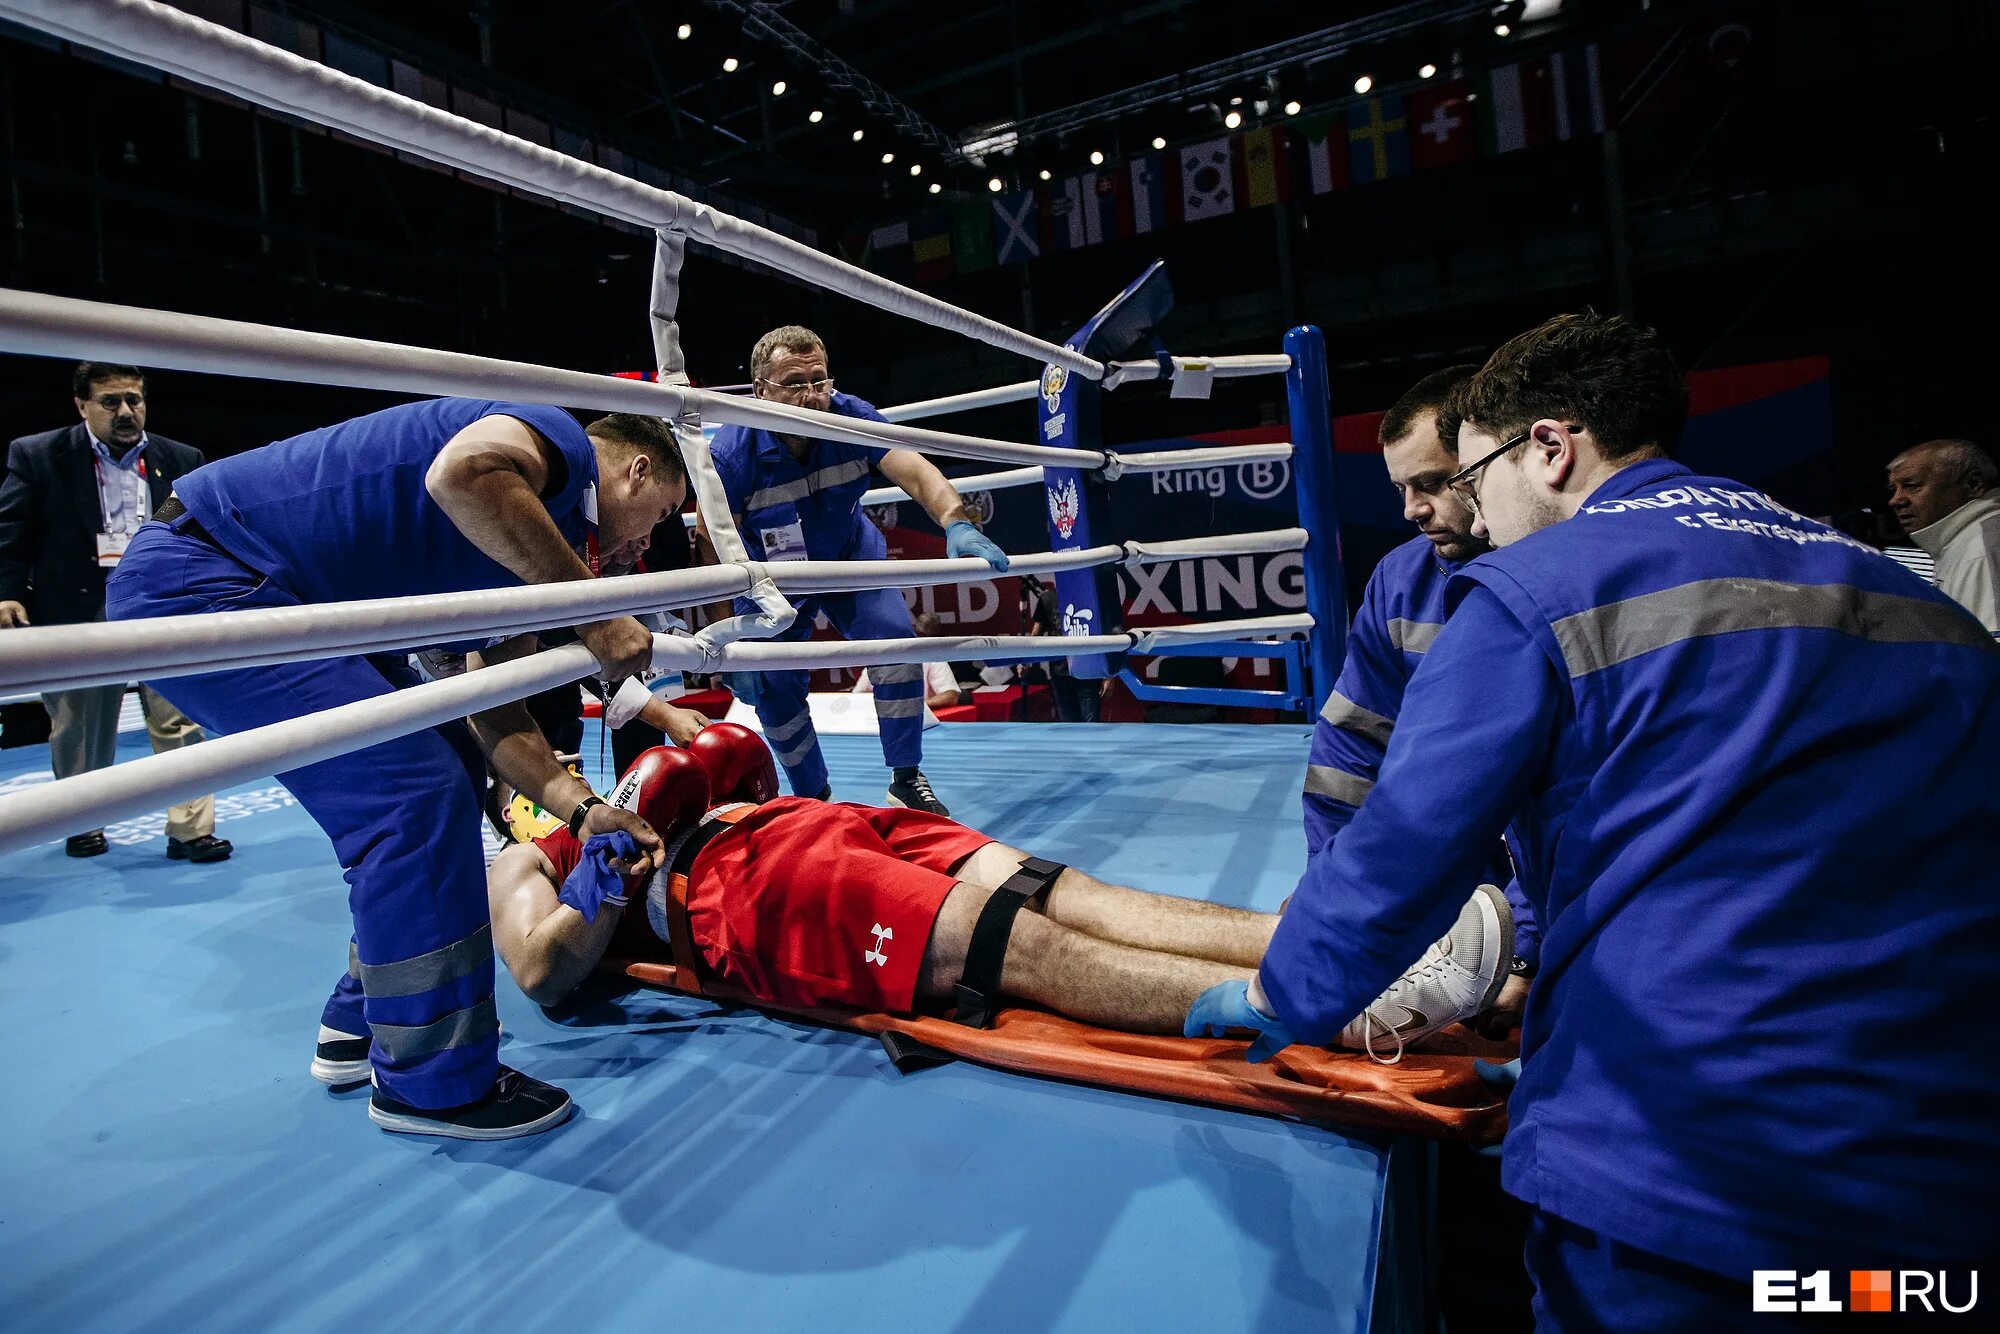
{"points": [[435, 497], [1749, 765], [794, 498], [1402, 609]]}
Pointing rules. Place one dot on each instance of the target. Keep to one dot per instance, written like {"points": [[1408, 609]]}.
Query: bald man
{"points": [[1943, 493]]}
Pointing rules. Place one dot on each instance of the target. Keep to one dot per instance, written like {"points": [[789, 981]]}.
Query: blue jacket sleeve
{"points": [[1352, 731], [1477, 725]]}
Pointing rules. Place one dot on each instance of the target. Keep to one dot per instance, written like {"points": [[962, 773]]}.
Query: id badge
{"points": [[786, 542], [111, 548]]}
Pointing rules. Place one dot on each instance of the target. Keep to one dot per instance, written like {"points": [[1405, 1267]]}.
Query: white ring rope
{"points": [[1233, 367], [70, 657], [1158, 460], [57, 326], [106, 795], [154, 35]]}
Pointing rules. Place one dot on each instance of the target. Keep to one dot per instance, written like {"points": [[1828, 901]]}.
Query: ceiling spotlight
{"points": [[1502, 30], [1158, 142], [778, 88], [1292, 108], [729, 65], [1428, 72], [817, 116], [916, 169], [1096, 158], [1363, 84], [1236, 101], [887, 158], [936, 189], [1044, 173], [857, 136], [995, 184], [1232, 120], [685, 31]]}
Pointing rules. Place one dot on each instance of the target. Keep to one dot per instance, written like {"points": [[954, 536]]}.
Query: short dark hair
{"points": [[90, 373], [650, 436], [1426, 395], [1615, 378]]}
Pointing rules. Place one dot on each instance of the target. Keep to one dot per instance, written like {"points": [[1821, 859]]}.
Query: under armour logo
{"points": [[883, 934]]}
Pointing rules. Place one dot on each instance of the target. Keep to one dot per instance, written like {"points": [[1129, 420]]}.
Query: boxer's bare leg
{"points": [[1097, 981], [1157, 922]]}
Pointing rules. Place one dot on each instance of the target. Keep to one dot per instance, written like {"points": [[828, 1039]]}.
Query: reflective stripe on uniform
{"points": [[1413, 636], [799, 488], [1619, 631], [411, 977], [898, 708], [1344, 713], [1322, 781], [460, 1028], [354, 961], [899, 674], [791, 755], [785, 731]]}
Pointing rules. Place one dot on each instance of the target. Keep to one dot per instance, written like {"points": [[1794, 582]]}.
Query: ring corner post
{"points": [[1310, 402]]}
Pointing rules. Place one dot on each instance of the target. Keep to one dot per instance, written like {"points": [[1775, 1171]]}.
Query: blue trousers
{"points": [[1584, 1281], [876, 613], [403, 816]]}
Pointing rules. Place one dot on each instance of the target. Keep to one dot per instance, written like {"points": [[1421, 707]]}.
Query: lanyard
{"points": [[145, 491]]}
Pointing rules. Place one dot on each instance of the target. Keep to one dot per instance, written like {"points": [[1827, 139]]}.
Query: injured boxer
{"points": [[808, 905]]}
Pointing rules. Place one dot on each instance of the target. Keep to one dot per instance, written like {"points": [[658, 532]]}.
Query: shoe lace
{"points": [[922, 787], [1433, 963]]}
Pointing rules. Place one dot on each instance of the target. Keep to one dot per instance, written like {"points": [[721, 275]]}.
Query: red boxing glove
{"points": [[666, 788], [739, 764]]}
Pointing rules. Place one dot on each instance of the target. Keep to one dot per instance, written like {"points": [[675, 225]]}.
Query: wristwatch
{"points": [[582, 809], [1520, 967]]}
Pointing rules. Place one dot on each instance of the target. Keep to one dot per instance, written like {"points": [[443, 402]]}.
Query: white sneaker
{"points": [[1457, 978]]}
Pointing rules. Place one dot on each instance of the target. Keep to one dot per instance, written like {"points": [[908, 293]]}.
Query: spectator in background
{"points": [[941, 689], [70, 503], [1077, 700], [1943, 493]]}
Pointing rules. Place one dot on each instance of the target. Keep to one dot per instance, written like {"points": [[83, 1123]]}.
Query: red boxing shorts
{"points": [[810, 904]]}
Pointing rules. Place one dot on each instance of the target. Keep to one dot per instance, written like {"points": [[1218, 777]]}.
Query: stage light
{"points": [[1293, 108], [729, 65], [995, 184], [1232, 120], [685, 31], [1158, 142], [1363, 84], [778, 88], [817, 116], [1428, 72], [1096, 158]]}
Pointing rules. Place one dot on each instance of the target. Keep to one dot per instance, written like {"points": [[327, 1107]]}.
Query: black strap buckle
{"points": [[978, 988]]}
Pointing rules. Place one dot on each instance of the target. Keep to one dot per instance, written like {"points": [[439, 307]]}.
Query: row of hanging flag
{"points": [[1550, 99]]}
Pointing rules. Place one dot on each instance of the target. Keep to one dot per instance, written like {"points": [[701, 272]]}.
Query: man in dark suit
{"points": [[71, 500]]}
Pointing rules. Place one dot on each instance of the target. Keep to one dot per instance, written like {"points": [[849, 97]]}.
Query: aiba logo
{"points": [[1055, 379], [1076, 620], [1905, 1290], [1064, 506]]}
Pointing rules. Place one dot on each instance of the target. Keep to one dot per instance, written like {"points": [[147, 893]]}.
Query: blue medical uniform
{"points": [[1402, 609], [810, 509], [1749, 763], [336, 514]]}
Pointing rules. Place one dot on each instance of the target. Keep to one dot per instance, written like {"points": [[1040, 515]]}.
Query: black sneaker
{"points": [[915, 793], [91, 844], [207, 848], [518, 1105], [341, 1059]]}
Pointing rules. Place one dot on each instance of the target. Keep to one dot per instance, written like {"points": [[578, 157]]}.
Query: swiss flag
{"points": [[1443, 132]]}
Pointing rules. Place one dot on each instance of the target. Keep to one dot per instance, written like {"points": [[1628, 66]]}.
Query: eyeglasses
{"points": [[113, 402], [823, 385], [1462, 483]]}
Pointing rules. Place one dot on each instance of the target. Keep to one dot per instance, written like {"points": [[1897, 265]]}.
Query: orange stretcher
{"points": [[1435, 1093]]}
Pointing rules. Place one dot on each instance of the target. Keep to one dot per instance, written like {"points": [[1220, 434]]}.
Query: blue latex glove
{"points": [[962, 539], [1499, 1075], [595, 882], [1227, 1005]]}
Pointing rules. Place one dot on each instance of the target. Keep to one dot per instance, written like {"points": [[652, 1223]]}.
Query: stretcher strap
{"points": [[979, 986], [688, 974]]}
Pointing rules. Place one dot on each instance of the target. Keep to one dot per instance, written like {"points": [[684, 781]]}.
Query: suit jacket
{"points": [[50, 516]]}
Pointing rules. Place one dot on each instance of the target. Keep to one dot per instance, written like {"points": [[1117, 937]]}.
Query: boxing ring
{"points": [[175, 1166]]}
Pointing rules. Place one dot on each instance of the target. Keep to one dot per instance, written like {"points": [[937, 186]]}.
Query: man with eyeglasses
{"points": [[797, 498], [1747, 762], [71, 501], [1402, 609]]}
